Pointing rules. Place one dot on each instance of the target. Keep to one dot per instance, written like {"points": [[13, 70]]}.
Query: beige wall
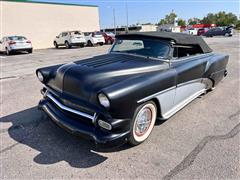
{"points": [[42, 22]]}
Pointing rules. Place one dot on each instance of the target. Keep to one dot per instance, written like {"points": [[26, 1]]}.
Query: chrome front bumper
{"points": [[76, 122]]}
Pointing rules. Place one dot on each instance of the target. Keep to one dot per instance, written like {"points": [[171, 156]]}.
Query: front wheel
{"points": [[55, 44], [89, 43], [68, 46], [143, 123]]}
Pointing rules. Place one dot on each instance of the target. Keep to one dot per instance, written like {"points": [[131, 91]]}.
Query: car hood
{"points": [[85, 78]]}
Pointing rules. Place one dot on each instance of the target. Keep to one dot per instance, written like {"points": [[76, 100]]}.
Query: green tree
{"points": [[209, 19], [169, 19], [194, 20], [161, 22], [238, 25], [181, 22], [221, 19]]}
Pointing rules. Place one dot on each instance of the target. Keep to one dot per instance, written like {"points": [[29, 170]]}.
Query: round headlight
{"points": [[103, 100], [40, 76]]}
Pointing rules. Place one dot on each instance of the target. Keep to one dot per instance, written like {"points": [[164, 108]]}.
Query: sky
{"points": [[140, 11]]}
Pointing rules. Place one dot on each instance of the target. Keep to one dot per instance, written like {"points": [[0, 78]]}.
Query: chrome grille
{"points": [[63, 107]]}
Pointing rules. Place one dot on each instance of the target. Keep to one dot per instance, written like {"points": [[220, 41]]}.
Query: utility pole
{"points": [[127, 16], [114, 21]]}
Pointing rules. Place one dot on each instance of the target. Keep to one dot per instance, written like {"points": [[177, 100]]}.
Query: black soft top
{"points": [[178, 38]]}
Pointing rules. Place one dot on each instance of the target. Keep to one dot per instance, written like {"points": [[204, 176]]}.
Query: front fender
{"points": [[125, 94]]}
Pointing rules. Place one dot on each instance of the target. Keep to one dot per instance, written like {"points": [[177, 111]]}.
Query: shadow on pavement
{"points": [[13, 53], [34, 129]]}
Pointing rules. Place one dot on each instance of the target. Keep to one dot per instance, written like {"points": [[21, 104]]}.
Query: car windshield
{"points": [[110, 34], [75, 33], [97, 33], [143, 47], [17, 38]]}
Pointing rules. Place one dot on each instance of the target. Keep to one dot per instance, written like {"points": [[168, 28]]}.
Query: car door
{"points": [[58, 38], [1, 45], [63, 38], [218, 32], [190, 70], [5, 44]]}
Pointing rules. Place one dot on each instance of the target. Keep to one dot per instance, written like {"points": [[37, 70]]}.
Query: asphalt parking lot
{"points": [[200, 142]]}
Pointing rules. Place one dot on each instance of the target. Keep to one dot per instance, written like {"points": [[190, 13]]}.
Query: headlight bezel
{"points": [[40, 76], [103, 100]]}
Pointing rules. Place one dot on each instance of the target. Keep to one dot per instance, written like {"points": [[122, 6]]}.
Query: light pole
{"points": [[127, 16], [114, 21], [114, 18]]}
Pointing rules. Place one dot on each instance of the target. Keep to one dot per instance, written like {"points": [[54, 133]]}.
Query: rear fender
{"points": [[216, 68]]}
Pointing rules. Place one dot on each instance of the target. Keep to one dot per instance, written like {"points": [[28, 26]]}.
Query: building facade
{"points": [[42, 22], [137, 28]]}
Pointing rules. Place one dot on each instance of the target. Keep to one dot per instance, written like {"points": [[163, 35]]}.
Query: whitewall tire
{"points": [[143, 123]]}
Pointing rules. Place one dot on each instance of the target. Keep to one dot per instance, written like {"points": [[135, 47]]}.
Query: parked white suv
{"points": [[69, 39], [10, 44], [94, 38]]}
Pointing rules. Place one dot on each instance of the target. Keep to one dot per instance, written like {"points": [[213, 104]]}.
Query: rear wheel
{"points": [[226, 34], [8, 52], [55, 44], [101, 44], [30, 51], [143, 123], [67, 45]]}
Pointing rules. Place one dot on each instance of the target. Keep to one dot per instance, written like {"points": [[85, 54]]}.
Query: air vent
{"points": [[104, 60]]}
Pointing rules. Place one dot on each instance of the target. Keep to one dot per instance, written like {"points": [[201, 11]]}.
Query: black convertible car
{"points": [[117, 97]]}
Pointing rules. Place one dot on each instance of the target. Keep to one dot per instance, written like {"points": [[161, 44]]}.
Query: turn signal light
{"points": [[104, 125]]}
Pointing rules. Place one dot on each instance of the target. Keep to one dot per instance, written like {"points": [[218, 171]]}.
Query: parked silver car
{"points": [[10, 44]]}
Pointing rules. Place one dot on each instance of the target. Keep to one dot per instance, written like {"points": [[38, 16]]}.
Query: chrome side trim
{"points": [[190, 82], [156, 94], [70, 109], [192, 57]]}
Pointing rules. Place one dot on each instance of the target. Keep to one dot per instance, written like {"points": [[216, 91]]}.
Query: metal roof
{"points": [[50, 3]]}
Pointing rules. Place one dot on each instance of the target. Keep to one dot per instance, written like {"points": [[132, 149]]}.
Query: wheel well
{"points": [[213, 82], [155, 100]]}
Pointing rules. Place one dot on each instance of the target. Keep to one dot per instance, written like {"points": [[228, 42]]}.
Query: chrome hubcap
{"points": [[144, 119]]}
